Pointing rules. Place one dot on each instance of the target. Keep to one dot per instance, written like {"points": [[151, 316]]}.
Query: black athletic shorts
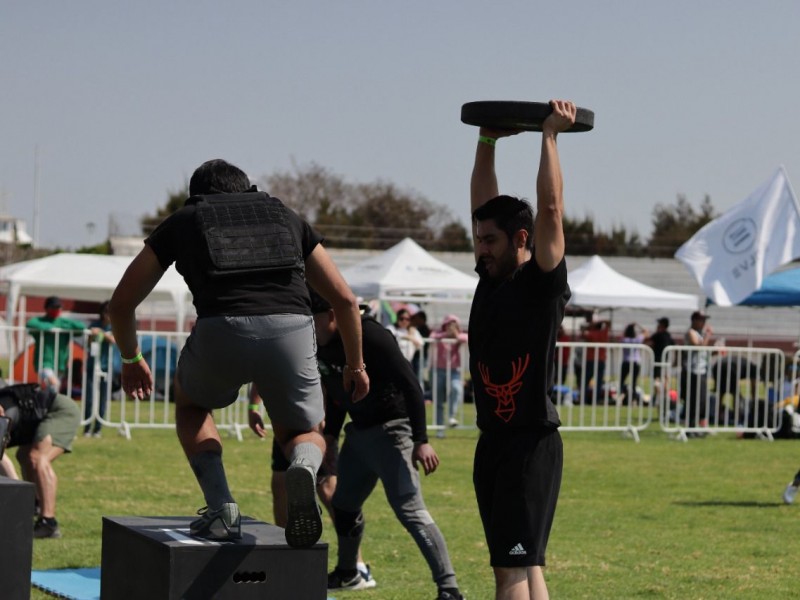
{"points": [[517, 477]]}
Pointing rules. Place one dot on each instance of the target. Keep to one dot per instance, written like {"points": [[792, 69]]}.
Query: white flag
{"points": [[731, 255]]}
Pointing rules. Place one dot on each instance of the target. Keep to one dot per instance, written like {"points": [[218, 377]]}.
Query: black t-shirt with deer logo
{"points": [[513, 328]]}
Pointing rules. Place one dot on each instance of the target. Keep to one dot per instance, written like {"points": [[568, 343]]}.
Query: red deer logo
{"points": [[505, 392]]}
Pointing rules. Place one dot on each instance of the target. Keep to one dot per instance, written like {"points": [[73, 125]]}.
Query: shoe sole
{"points": [[304, 523], [48, 536]]}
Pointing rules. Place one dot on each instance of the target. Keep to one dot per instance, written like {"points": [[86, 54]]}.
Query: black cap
{"points": [[318, 303], [52, 302], [699, 314], [663, 321]]}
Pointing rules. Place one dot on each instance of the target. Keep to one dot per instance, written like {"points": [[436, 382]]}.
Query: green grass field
{"points": [[656, 519]]}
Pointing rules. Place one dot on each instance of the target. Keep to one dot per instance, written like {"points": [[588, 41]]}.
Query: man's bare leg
{"points": [[520, 583], [7, 468], [36, 462], [202, 445]]}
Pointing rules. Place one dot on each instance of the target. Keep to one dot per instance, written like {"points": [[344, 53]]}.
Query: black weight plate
{"points": [[510, 114]]}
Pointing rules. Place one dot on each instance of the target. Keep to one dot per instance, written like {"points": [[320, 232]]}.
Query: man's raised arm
{"points": [[548, 228]]}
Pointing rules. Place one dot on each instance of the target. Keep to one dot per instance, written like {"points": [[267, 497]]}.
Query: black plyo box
{"points": [[155, 558], [16, 538]]}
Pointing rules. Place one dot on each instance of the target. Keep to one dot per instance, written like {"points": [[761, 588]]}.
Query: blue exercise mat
{"points": [[71, 584]]}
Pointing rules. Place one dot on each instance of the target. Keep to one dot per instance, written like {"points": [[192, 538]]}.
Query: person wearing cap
{"points": [[386, 439], [517, 309], [52, 333], [694, 374], [245, 257], [447, 370]]}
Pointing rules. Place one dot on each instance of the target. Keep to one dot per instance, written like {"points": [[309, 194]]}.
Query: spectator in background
{"points": [[658, 341], [98, 357], [694, 375], [447, 362], [419, 320], [407, 336], [632, 360], [596, 332], [52, 334]]}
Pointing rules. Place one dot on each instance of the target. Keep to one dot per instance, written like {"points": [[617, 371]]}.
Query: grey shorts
{"points": [[276, 352], [60, 423]]}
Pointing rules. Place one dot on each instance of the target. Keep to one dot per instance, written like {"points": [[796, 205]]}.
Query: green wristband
{"points": [[487, 140], [130, 361], [255, 407]]}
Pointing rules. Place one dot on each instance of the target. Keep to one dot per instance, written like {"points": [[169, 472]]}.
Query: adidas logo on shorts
{"points": [[517, 550]]}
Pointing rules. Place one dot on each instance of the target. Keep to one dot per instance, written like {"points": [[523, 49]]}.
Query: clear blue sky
{"points": [[125, 99]]}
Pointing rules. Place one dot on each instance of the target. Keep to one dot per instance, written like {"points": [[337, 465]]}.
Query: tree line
{"points": [[378, 214]]}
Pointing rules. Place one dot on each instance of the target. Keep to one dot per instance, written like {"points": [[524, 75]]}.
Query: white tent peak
{"points": [[595, 284], [408, 271]]}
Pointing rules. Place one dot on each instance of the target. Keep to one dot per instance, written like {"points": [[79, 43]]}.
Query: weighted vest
{"points": [[246, 233]]}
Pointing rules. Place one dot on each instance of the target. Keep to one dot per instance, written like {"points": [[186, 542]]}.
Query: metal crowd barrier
{"points": [[742, 390], [603, 387], [711, 389]]}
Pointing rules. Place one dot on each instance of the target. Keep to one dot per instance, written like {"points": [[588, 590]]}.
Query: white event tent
{"points": [[90, 277], [596, 285], [407, 272]]}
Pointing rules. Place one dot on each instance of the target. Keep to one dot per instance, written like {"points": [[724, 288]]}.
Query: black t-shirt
{"points": [[660, 340], [513, 327], [394, 390], [178, 239]]}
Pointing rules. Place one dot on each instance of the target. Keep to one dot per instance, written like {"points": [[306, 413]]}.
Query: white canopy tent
{"points": [[407, 272], [90, 277], [594, 284]]}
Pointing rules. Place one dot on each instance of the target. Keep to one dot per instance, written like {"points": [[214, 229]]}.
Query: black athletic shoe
{"points": [[447, 595], [304, 523], [225, 523], [46, 528], [338, 580]]}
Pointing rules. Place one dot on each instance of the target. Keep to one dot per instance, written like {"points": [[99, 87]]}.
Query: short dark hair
{"points": [[218, 176], [510, 214]]}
